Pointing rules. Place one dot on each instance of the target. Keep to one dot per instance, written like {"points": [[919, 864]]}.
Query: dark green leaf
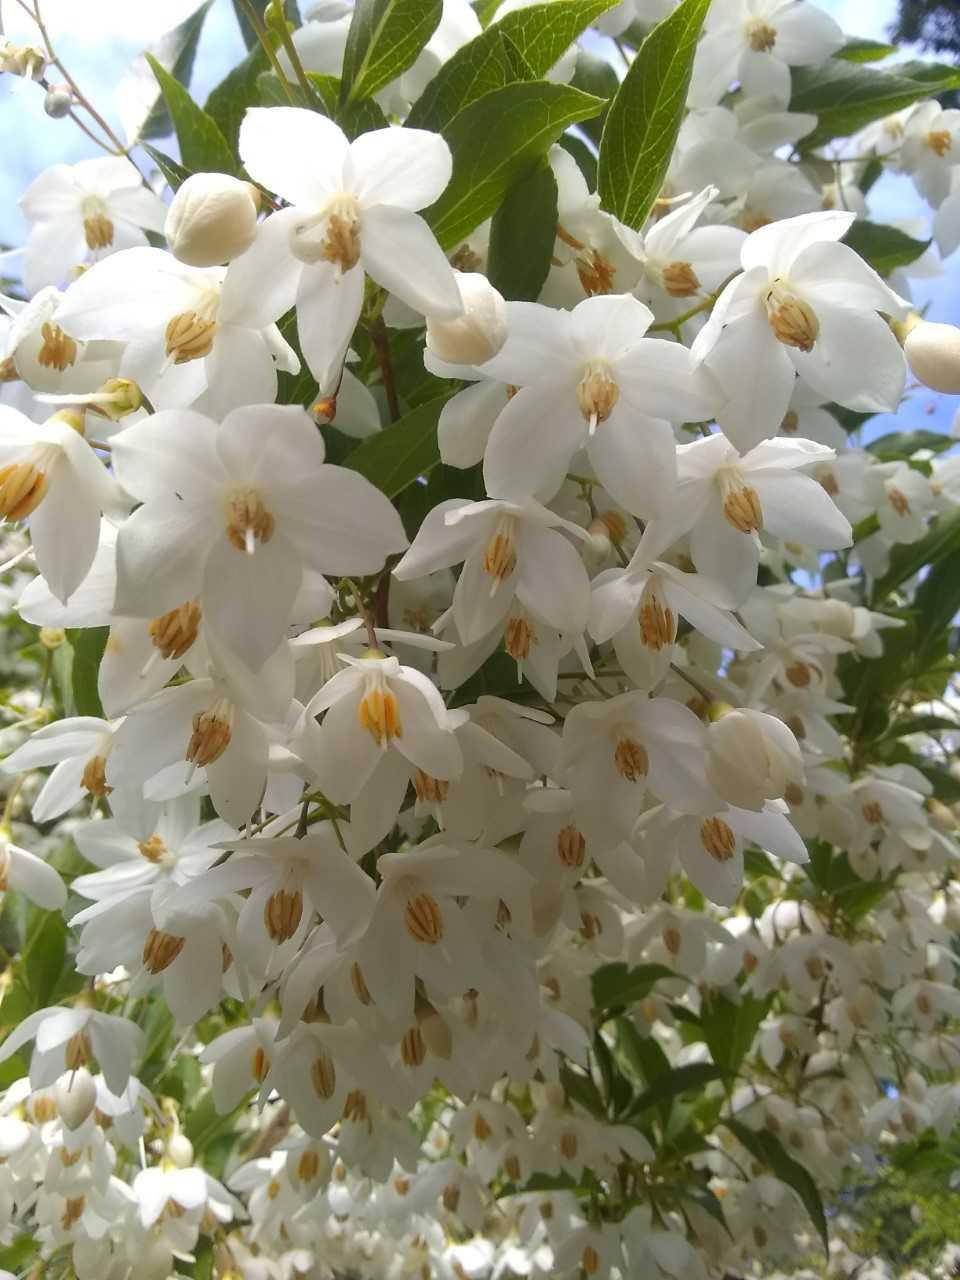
{"points": [[43, 958], [595, 75], [247, 31], [906, 561], [496, 141], [615, 1084], [680, 1079], [384, 39], [585, 158], [88, 645], [522, 45], [644, 118], [922, 724], [872, 170], [203, 148], [641, 1055], [937, 602], [618, 986], [900, 445], [581, 1089], [401, 454], [885, 248], [522, 236], [729, 1028], [173, 172], [227, 103], [845, 96], [763, 1146], [141, 111], [865, 51]]}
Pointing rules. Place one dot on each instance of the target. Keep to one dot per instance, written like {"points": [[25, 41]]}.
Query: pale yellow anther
{"points": [[154, 849], [423, 918], [173, 633], [630, 759], [680, 280], [939, 141], [793, 321], [658, 622], [742, 509], [282, 914], [597, 393], [189, 336], [98, 231], [718, 839], [57, 350], [380, 716], [212, 730], [429, 790], [571, 846], [248, 520], [323, 1076], [500, 557], [519, 637], [760, 35], [94, 776], [160, 950], [23, 486]]}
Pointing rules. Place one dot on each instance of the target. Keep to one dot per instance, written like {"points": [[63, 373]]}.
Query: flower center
{"points": [[423, 918], [571, 846], [718, 839], [500, 557], [154, 850], [630, 758], [597, 393], [57, 351], [189, 337], [248, 520], [94, 776], [379, 714], [595, 273], [173, 633], [658, 623], [332, 235], [939, 141], [355, 1107], [898, 500], [430, 790], [323, 1076], [828, 481], [160, 950], [519, 637], [212, 730], [413, 1050], [24, 484], [761, 37], [680, 280], [740, 502], [97, 227], [793, 321], [259, 1065], [282, 914]]}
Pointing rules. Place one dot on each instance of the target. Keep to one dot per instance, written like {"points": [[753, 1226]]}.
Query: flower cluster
{"points": [[495, 766]]}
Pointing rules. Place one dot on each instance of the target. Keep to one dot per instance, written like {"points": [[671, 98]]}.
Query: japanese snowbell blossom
{"points": [[589, 378], [930, 150], [234, 513], [639, 607], [510, 550], [804, 305], [194, 337], [752, 757], [353, 212], [38, 350], [50, 477], [92, 208], [25, 873], [65, 1039], [724, 500], [756, 42], [79, 746]]}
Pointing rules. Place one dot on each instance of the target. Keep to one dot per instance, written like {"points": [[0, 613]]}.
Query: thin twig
{"points": [[381, 345]]}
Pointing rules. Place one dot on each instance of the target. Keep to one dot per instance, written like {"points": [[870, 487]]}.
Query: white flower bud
{"points": [[933, 354], [213, 219], [58, 101], [76, 1096], [478, 334], [752, 757], [180, 1150]]}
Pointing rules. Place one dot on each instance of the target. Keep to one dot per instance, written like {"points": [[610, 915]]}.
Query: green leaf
{"points": [[641, 1055], [247, 31], [14, 1257], [227, 103], [522, 236], [729, 1028], [644, 118], [680, 1079], [865, 51], [354, 118], [580, 1088], [42, 961], [496, 141], [763, 1146], [845, 96], [173, 172], [899, 445], [399, 455], [522, 45], [88, 644], [885, 248], [384, 39], [937, 602], [907, 560], [141, 112], [203, 148], [618, 986]]}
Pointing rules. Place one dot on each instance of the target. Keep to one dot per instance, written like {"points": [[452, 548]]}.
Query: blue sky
{"points": [[98, 40]]}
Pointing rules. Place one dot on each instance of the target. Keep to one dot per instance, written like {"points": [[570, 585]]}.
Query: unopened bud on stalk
{"points": [[180, 1150], [76, 1096], [476, 335], [932, 351], [58, 101], [213, 219]]}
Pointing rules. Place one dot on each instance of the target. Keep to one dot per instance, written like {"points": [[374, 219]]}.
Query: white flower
{"points": [[476, 335], [234, 513], [804, 305], [353, 212], [194, 337], [930, 150], [510, 550], [25, 873], [92, 208], [589, 377], [51, 477], [79, 746], [68, 1038], [757, 42], [751, 758]]}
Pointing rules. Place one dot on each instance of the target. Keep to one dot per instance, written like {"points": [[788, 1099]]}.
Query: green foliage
{"points": [[176, 51], [259, 6], [845, 96], [403, 453], [644, 118], [174, 173], [496, 141], [88, 644], [885, 248], [227, 103], [522, 236], [763, 1146], [616, 986], [907, 560], [898, 446], [729, 1027], [866, 51], [202, 146], [384, 39]]}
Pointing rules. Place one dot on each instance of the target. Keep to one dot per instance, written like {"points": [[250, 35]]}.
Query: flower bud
{"points": [[478, 334], [76, 1096], [58, 101], [213, 219], [752, 757], [180, 1150], [933, 354]]}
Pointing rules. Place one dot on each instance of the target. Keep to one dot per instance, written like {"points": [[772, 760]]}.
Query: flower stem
{"points": [[259, 31], [381, 345]]}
